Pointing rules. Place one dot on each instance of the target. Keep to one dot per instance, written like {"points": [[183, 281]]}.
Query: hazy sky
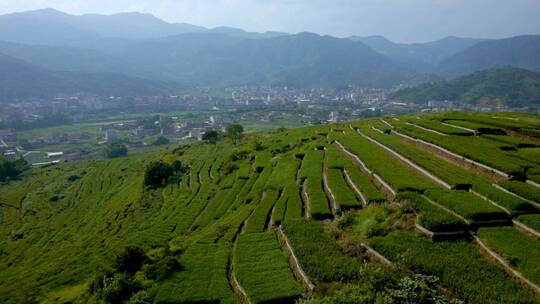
{"points": [[400, 20]]}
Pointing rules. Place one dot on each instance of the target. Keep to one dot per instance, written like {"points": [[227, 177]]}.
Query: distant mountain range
{"points": [[521, 52], [422, 56], [512, 86], [173, 55], [20, 79]]}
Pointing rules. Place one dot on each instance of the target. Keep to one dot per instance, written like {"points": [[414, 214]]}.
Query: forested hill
{"points": [[512, 86], [282, 216]]}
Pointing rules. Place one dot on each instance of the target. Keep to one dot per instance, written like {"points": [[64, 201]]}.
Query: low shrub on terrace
{"points": [[431, 217]]}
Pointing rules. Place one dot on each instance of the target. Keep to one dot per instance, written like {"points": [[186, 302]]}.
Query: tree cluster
{"points": [[115, 149], [159, 173], [11, 169]]}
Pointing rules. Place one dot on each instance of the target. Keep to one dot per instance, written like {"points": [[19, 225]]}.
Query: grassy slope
{"points": [[59, 224]]}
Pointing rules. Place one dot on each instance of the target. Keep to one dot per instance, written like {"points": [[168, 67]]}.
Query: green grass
{"points": [[62, 224], [263, 271], [371, 221]]}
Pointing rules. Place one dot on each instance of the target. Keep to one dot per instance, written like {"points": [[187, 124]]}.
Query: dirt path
{"points": [[329, 193], [532, 183], [372, 253], [353, 186], [426, 129], [527, 229], [297, 268], [534, 287], [386, 123], [459, 127], [305, 198], [446, 209], [518, 196], [409, 162], [453, 155], [359, 163], [490, 201], [235, 285]]}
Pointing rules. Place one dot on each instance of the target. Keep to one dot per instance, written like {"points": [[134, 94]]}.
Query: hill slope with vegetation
{"points": [[519, 52], [20, 79], [283, 216], [511, 86]]}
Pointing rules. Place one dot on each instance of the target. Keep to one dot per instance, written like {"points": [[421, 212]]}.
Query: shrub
{"points": [[211, 136], [161, 140], [115, 149], [130, 260], [162, 268], [118, 288]]}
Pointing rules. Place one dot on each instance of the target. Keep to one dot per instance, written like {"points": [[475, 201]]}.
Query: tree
{"points": [[157, 173], [115, 149], [161, 140], [235, 132], [211, 136]]}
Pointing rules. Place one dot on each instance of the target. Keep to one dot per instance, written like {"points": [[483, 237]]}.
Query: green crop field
{"points": [[254, 221]]}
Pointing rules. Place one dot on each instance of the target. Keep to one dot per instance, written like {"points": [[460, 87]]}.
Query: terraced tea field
{"points": [[447, 201]]}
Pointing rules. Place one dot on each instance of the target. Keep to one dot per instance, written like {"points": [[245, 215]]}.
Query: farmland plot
{"points": [[262, 269]]}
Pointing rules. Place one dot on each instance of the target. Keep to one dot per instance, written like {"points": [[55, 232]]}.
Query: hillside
{"points": [[215, 59], [252, 221], [423, 56], [20, 79], [511, 86], [520, 52]]}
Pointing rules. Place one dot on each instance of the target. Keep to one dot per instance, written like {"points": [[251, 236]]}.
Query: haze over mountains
{"points": [[141, 46]]}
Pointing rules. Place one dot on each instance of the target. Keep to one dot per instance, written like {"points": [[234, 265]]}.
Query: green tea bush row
{"points": [[531, 220], [460, 266], [393, 171], [263, 271], [311, 171], [519, 250], [344, 196], [522, 189], [320, 256], [467, 205], [258, 220], [431, 217]]}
